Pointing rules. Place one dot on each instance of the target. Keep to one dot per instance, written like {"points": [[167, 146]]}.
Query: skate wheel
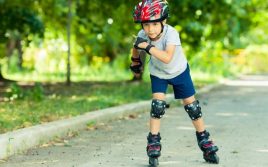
{"points": [[212, 158], [153, 162]]}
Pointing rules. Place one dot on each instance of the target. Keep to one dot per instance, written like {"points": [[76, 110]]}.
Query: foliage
{"points": [[19, 17], [221, 20], [102, 31], [98, 71], [259, 28], [16, 92], [212, 59], [253, 59]]}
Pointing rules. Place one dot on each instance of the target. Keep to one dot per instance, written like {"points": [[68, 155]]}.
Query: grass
{"points": [[24, 104], [60, 101]]}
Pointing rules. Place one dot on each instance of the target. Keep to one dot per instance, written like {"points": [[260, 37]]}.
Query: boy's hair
{"points": [[151, 11]]}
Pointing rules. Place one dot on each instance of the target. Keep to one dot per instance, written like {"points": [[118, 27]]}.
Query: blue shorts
{"points": [[182, 85]]}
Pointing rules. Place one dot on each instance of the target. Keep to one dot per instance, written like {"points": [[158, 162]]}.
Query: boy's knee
{"points": [[158, 108], [193, 110]]}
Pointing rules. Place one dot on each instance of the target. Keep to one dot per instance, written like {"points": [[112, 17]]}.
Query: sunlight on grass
{"points": [[61, 101], [106, 73], [91, 89]]}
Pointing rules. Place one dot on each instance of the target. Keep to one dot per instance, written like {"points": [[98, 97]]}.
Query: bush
{"points": [[253, 59], [17, 92]]}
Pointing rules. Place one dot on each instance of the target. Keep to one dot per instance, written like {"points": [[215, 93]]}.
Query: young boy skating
{"points": [[167, 65]]}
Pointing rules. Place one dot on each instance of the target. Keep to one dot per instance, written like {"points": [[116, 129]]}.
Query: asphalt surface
{"points": [[235, 114]]}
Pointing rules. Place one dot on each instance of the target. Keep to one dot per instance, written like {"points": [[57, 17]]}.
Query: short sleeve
{"points": [[173, 37]]}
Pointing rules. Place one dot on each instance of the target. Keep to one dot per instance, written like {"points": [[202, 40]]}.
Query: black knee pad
{"points": [[193, 110], [158, 108]]}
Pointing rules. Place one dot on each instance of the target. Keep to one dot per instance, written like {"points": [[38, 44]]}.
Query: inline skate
{"points": [[208, 148], [153, 149]]}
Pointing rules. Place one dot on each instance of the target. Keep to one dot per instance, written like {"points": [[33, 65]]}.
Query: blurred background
{"points": [[221, 38]]}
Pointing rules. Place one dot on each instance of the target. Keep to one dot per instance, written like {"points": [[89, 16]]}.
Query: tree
{"points": [[68, 80], [18, 22], [211, 20]]}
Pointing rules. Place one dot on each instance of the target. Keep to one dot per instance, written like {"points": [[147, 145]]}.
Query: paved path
{"points": [[236, 115]]}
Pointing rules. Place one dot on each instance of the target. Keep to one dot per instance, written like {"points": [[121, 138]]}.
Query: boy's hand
{"points": [[141, 43]]}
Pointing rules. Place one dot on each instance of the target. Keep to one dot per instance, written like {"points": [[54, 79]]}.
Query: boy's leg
{"points": [[155, 122], [153, 139], [194, 110], [158, 106], [199, 123]]}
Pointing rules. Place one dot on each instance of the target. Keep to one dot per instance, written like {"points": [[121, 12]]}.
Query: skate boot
{"points": [[153, 149], [208, 148]]}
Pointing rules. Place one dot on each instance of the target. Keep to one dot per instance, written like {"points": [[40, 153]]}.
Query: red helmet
{"points": [[150, 11]]}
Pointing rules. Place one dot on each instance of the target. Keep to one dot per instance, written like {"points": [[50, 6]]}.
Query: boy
{"points": [[168, 65]]}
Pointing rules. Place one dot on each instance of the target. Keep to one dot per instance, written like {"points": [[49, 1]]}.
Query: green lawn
{"points": [[59, 101], [27, 104]]}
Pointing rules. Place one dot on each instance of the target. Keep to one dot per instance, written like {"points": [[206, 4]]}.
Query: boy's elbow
{"points": [[168, 60]]}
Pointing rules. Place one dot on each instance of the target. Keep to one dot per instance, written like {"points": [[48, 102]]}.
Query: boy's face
{"points": [[152, 29]]}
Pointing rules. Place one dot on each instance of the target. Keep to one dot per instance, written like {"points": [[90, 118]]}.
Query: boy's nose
{"points": [[150, 28]]}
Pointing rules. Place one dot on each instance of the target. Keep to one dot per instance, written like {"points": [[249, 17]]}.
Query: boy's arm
{"points": [[136, 63], [135, 53], [163, 55]]}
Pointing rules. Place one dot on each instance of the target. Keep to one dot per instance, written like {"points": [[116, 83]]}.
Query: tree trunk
{"points": [[20, 53], [68, 79], [1, 76], [10, 46]]}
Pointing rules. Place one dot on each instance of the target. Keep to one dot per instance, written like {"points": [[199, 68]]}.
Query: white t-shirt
{"points": [[178, 63]]}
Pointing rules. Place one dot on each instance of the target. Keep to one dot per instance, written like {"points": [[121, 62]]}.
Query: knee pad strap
{"points": [[193, 110], [158, 108]]}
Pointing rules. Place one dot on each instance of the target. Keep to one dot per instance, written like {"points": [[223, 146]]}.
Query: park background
{"points": [[62, 58]]}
